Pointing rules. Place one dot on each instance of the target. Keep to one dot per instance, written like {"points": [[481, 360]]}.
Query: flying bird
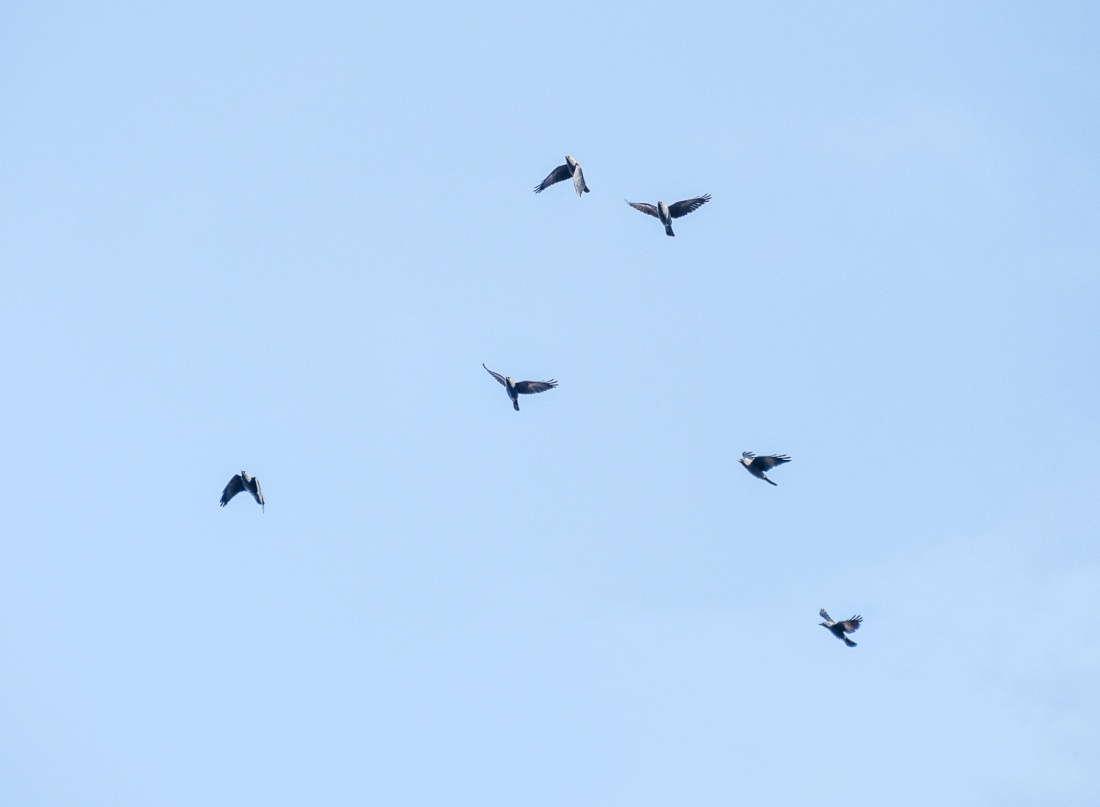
{"points": [[757, 465], [517, 388], [572, 168], [838, 629], [243, 481], [666, 213]]}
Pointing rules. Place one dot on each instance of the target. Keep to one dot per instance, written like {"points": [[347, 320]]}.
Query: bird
{"points": [[517, 388], [838, 629], [243, 481], [757, 465], [572, 168], [666, 213]]}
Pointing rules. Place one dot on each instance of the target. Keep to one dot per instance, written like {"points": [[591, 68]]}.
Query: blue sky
{"points": [[283, 238]]}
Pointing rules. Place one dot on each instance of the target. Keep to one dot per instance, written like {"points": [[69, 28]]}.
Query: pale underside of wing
{"points": [[687, 206], [254, 489], [530, 387], [497, 376], [560, 173], [578, 181], [235, 486]]}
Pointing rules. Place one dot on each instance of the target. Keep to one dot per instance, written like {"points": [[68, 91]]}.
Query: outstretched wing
{"points": [[578, 181], [851, 625], [529, 387], [770, 461], [235, 486], [648, 209], [497, 376], [254, 489], [825, 615], [688, 206], [555, 176]]}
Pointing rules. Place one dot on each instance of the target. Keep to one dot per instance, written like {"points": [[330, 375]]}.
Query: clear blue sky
{"points": [[283, 238]]}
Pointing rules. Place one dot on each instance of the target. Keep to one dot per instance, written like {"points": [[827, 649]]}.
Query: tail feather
{"points": [[515, 405], [668, 230], [848, 641], [769, 481]]}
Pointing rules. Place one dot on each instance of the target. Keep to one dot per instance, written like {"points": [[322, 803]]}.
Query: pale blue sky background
{"points": [[284, 238]]}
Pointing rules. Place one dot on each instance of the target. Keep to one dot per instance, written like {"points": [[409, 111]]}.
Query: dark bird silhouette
{"points": [[838, 629], [517, 388], [666, 213], [243, 481], [572, 168], [757, 465]]}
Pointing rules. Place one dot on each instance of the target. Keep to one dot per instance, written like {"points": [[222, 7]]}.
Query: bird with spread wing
{"points": [[757, 465], [838, 629], [572, 168], [243, 481], [516, 388], [666, 213]]}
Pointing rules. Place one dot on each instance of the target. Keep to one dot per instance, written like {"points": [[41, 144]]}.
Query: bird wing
{"points": [[825, 615], [529, 387], [648, 209], [687, 206], [770, 461], [235, 486], [578, 181], [254, 489], [497, 376], [851, 625], [557, 175]]}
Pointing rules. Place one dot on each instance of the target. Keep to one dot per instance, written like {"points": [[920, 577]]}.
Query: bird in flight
{"points": [[757, 465], [517, 388], [666, 213], [243, 481], [572, 168], [838, 629]]}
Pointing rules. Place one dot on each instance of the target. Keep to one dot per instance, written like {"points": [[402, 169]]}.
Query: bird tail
{"points": [[668, 230], [586, 189], [848, 641], [515, 405], [769, 481]]}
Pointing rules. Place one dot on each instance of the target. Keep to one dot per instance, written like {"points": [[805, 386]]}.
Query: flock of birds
{"points": [[665, 212], [757, 466]]}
